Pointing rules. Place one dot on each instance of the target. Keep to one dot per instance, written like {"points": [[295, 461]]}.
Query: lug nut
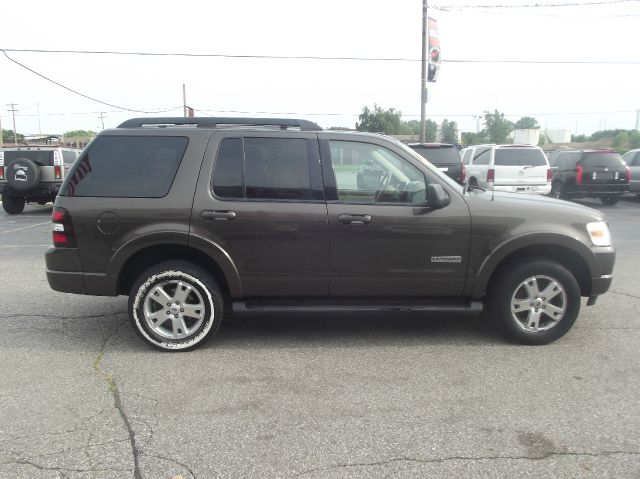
{"points": [[182, 310], [175, 316]]}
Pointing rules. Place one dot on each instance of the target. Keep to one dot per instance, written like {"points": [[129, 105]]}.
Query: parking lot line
{"points": [[25, 228]]}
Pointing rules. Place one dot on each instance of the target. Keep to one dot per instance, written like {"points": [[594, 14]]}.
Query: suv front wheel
{"points": [[175, 306], [535, 302], [12, 205]]}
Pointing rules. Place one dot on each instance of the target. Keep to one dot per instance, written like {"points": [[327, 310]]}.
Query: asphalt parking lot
{"points": [[332, 397]]}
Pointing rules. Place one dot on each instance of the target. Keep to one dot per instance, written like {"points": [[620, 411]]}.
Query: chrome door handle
{"points": [[349, 219], [218, 215]]}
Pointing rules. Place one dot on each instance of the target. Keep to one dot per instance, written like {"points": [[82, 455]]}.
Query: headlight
{"points": [[599, 233]]}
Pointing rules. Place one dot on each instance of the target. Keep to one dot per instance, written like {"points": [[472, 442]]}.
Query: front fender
{"points": [[539, 240]]}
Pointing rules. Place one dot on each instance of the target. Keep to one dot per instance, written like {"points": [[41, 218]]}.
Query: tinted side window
{"points": [[482, 156], [227, 174], [467, 157], [126, 167], [69, 156], [277, 168]]}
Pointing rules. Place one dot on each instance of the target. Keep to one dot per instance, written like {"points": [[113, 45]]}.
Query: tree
{"points": [[497, 127], [413, 127], [526, 123], [634, 139], [470, 138], [379, 120], [621, 140], [449, 131], [82, 133], [7, 137]]}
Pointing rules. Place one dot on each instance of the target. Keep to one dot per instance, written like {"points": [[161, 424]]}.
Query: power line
{"points": [[533, 5], [77, 92], [296, 57]]}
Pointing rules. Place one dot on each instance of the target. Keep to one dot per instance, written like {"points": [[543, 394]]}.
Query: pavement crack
{"points": [[169, 459], [117, 401], [624, 294], [41, 467], [62, 316], [437, 460]]}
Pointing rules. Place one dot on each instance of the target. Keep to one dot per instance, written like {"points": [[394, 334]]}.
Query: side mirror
{"points": [[436, 196]]}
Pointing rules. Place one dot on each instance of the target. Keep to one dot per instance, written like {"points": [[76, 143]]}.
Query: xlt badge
{"points": [[446, 259]]}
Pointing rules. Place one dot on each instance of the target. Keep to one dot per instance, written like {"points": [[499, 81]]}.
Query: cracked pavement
{"points": [[312, 397]]}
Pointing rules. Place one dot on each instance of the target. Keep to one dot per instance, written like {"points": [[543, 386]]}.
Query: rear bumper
{"points": [[64, 274], [540, 189], [598, 190], [42, 190]]}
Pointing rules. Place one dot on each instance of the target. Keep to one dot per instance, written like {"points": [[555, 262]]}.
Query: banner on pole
{"points": [[434, 49]]}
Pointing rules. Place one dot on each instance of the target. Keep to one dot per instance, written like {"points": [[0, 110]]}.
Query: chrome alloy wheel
{"points": [[174, 309], [538, 304]]}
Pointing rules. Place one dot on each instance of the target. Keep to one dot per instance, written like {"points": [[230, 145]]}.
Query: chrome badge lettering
{"points": [[446, 259]]}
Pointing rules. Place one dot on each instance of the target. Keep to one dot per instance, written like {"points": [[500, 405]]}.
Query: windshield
{"points": [[447, 155], [519, 157], [443, 177]]}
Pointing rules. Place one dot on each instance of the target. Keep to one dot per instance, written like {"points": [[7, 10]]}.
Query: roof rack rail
{"points": [[212, 122]]}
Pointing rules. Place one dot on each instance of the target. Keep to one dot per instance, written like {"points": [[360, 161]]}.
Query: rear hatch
{"points": [[445, 157], [520, 166], [39, 157], [603, 168]]}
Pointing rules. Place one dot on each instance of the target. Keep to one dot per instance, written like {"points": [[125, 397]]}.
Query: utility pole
{"points": [[184, 100], [102, 119], [39, 126], [423, 80], [637, 119], [13, 112]]}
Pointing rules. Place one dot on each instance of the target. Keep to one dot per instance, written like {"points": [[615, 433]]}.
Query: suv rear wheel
{"points": [[13, 205], [175, 306], [535, 302], [557, 191], [609, 200]]}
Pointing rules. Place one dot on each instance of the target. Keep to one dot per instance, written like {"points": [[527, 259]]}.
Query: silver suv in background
{"points": [[632, 160], [511, 168], [32, 174]]}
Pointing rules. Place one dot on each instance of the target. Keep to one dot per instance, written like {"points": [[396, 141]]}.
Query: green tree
{"points": [[470, 138], [497, 127], [634, 139], [449, 131], [412, 127], [579, 138], [82, 133], [621, 140], [7, 137], [379, 120], [526, 123]]}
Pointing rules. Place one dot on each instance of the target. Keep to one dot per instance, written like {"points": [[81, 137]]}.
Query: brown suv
{"points": [[193, 217]]}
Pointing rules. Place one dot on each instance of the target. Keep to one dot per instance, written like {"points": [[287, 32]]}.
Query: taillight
{"points": [[63, 234], [628, 174], [579, 172], [58, 172], [57, 164], [1, 172], [491, 174], [463, 175], [549, 174], [1, 165]]}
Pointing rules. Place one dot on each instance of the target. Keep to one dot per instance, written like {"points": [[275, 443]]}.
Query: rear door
{"points": [[520, 167], [259, 198]]}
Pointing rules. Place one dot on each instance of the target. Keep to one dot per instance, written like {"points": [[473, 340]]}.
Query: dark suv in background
{"points": [[32, 174], [193, 218], [443, 155], [589, 173]]}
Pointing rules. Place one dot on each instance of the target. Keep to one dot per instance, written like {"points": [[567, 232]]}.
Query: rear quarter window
{"points": [[126, 167], [519, 157]]}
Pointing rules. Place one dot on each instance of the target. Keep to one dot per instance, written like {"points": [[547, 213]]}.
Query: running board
{"points": [[347, 306]]}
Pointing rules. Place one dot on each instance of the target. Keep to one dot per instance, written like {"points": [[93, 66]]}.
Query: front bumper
{"points": [[605, 258]]}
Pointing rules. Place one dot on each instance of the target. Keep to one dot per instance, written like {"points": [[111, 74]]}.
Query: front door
{"points": [[385, 238], [264, 206]]}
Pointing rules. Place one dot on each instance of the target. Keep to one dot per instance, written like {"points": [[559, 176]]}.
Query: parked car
{"points": [[32, 174], [262, 215], [589, 173], [443, 155], [632, 160], [512, 168]]}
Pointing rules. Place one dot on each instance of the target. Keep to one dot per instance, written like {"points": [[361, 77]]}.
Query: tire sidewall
{"points": [[13, 205], [201, 281], [505, 287]]}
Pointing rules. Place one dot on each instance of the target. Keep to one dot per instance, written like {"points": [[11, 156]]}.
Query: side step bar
{"points": [[251, 307]]}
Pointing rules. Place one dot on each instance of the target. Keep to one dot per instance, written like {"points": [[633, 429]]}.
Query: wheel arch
{"points": [[213, 261], [578, 259]]}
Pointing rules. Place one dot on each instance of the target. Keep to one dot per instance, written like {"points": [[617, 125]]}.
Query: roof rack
{"points": [[211, 122]]}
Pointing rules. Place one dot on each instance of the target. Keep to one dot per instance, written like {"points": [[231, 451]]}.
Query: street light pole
{"points": [[13, 112], [423, 80]]}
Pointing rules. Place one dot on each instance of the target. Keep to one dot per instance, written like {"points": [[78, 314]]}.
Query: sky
{"points": [[580, 97]]}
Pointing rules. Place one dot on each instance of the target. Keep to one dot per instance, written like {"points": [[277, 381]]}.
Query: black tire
{"points": [[609, 200], [508, 285], [143, 306], [557, 191], [13, 205], [473, 182], [22, 174]]}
